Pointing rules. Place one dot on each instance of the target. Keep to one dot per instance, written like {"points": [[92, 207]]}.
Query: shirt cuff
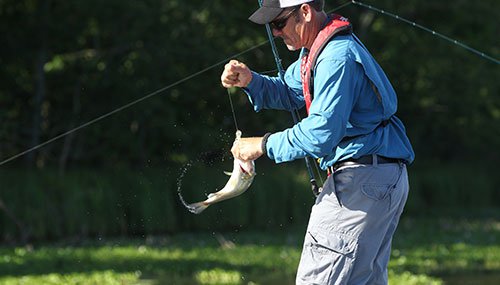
{"points": [[264, 142]]}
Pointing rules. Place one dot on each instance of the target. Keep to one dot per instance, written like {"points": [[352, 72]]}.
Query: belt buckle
{"points": [[341, 164]]}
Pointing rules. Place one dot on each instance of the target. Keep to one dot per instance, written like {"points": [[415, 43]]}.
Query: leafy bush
{"points": [[88, 203]]}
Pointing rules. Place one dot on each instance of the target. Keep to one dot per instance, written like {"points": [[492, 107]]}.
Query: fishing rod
{"points": [[295, 115]]}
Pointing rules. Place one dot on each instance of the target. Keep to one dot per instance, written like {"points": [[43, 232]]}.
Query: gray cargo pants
{"points": [[348, 239]]}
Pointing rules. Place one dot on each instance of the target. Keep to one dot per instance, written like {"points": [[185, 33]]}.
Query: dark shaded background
{"points": [[65, 63]]}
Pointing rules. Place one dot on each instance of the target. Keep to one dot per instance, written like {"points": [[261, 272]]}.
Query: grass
{"points": [[425, 251]]}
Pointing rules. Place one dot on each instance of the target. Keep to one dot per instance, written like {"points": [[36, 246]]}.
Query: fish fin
{"points": [[197, 208], [228, 173], [210, 195]]}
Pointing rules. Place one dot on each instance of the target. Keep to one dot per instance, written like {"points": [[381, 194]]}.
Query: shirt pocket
{"points": [[326, 258]]}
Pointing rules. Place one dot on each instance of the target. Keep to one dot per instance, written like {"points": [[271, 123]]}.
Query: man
{"points": [[351, 128]]}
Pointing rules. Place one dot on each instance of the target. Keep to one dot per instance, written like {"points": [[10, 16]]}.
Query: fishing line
{"points": [[340, 7], [232, 108], [128, 105], [415, 25], [267, 72]]}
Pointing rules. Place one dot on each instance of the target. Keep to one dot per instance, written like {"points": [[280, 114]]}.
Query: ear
{"points": [[306, 12]]}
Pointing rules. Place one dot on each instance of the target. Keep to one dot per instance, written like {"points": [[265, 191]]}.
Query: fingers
{"points": [[235, 74], [230, 75], [235, 150], [247, 148]]}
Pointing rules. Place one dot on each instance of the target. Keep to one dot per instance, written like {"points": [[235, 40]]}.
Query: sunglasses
{"points": [[281, 23]]}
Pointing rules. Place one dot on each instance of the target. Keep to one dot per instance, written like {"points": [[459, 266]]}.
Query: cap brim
{"points": [[265, 15]]}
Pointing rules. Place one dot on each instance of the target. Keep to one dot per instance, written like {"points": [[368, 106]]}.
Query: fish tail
{"points": [[197, 208]]}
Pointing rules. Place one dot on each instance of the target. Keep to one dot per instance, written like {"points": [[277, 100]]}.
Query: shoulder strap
{"points": [[339, 31], [336, 26]]}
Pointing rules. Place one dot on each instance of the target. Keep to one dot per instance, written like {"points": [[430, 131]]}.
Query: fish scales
{"points": [[239, 181]]}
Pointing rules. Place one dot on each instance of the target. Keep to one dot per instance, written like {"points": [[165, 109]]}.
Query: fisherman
{"points": [[351, 128]]}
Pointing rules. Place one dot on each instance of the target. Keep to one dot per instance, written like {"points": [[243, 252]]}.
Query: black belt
{"points": [[364, 160]]}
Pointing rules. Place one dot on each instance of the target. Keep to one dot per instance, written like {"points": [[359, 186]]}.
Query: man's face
{"points": [[288, 27]]}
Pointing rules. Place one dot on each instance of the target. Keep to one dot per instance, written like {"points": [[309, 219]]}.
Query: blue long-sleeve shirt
{"points": [[346, 112]]}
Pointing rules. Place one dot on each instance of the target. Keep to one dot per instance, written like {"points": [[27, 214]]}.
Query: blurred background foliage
{"points": [[65, 63]]}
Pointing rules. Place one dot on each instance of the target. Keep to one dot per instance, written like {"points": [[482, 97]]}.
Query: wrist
{"points": [[264, 142]]}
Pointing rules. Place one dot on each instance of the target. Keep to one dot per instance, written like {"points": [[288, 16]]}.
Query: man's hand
{"points": [[235, 74], [248, 148]]}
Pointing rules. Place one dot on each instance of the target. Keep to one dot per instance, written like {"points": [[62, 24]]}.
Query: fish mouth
{"points": [[243, 169]]}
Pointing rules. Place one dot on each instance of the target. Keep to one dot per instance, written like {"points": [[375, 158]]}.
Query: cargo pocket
{"points": [[376, 192], [327, 258]]}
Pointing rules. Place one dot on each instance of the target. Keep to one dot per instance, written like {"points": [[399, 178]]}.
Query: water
{"points": [[179, 183]]}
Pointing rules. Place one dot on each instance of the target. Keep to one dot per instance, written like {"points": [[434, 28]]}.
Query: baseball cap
{"points": [[270, 9]]}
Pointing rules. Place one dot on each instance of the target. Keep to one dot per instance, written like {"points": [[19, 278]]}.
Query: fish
{"points": [[239, 181]]}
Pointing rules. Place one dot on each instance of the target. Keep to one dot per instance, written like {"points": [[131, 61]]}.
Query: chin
{"points": [[290, 45], [292, 48]]}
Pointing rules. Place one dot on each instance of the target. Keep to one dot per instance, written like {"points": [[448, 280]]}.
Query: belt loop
{"points": [[374, 160]]}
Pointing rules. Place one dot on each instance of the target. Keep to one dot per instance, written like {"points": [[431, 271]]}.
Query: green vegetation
{"points": [[425, 251], [87, 203], [65, 63]]}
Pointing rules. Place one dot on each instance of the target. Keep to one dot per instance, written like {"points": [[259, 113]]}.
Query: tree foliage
{"points": [[65, 63], [139, 80]]}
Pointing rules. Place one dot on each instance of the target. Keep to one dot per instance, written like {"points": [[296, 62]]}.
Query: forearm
{"points": [[265, 92]]}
